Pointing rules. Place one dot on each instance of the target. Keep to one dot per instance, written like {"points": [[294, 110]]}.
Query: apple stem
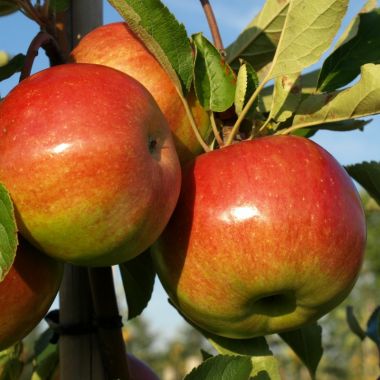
{"points": [[235, 128], [213, 25], [48, 43], [193, 124], [109, 323], [215, 129]]}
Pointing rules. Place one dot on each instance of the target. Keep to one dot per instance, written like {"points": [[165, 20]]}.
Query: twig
{"points": [[211, 20], [48, 43], [215, 129]]}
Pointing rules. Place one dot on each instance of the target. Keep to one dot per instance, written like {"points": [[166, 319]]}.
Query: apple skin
{"points": [[268, 236], [90, 163], [27, 292], [115, 45]]}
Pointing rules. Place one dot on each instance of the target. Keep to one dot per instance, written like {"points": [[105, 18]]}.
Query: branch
{"points": [[48, 43], [212, 24]]}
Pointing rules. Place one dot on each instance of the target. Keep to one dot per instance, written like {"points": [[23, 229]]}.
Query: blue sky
{"points": [[351, 147]]}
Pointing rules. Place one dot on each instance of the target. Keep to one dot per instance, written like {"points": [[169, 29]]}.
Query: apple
{"points": [[138, 370], [27, 292], [268, 235], [90, 163], [115, 45]]}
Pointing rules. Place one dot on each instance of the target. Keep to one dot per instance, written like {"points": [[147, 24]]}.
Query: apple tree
{"points": [[162, 153]]}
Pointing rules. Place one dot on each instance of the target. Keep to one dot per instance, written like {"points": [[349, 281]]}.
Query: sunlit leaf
{"points": [[214, 80], [362, 99], [246, 84], [264, 363], [308, 31], [222, 367], [258, 42], [8, 232]]}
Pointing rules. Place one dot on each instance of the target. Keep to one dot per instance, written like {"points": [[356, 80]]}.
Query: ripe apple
{"points": [[115, 45], [90, 164], [268, 235], [27, 292], [138, 370]]}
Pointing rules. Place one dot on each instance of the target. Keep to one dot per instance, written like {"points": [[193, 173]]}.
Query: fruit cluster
{"points": [[262, 236]]}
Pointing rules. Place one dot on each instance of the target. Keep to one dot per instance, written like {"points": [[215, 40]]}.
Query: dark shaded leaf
{"points": [[353, 323], [343, 65], [138, 277], [59, 5], [7, 7], [307, 344], [15, 65], [368, 175], [373, 326]]}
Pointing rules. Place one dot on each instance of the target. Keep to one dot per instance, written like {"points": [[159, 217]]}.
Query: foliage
{"points": [[283, 40]]}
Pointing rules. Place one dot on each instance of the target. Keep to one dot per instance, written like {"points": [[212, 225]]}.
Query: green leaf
{"points": [[339, 126], [246, 84], [8, 232], [373, 327], [222, 367], [368, 175], [307, 81], [13, 66], [43, 341], [307, 344], [353, 323], [7, 7], [45, 363], [258, 42], [11, 364], [309, 29], [59, 5], [343, 65], [138, 277], [286, 97], [162, 35], [264, 363], [214, 81], [362, 99], [353, 26]]}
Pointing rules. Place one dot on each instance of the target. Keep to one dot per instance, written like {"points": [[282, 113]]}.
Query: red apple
{"points": [[268, 235], [116, 46], [26, 293], [89, 161]]}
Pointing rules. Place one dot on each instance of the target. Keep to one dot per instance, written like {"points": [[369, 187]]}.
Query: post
{"points": [[80, 357]]}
